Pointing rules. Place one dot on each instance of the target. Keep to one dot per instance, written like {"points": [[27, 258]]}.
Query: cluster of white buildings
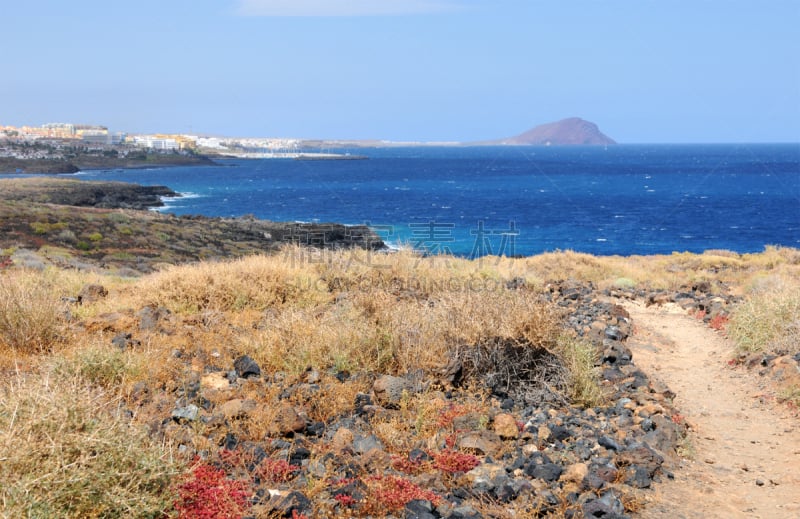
{"points": [[100, 135]]}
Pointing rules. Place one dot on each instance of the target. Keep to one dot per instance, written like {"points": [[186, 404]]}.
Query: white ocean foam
{"points": [[187, 195]]}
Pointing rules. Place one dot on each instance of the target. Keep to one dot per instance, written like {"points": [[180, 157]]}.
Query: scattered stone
{"points": [[544, 433], [464, 512], [575, 473], [124, 341], [236, 408], [483, 442], [614, 333], [189, 413], [292, 503], [150, 317], [638, 476], [365, 444], [484, 474], [288, 420], [609, 443], [342, 439], [246, 367], [91, 294], [609, 506], [760, 482], [545, 471], [419, 509], [505, 425], [389, 390], [215, 380], [641, 455]]}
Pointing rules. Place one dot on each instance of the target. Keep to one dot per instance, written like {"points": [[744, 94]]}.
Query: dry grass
{"points": [[31, 312], [769, 320], [66, 451], [256, 282], [104, 365]]}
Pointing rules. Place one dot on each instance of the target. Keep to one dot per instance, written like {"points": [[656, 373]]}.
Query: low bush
{"points": [[392, 493], [67, 450], [580, 357], [769, 319], [207, 493], [102, 365], [31, 312], [454, 462]]}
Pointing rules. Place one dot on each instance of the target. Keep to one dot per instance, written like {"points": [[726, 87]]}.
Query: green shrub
{"points": [[95, 237], [39, 228], [580, 356], [624, 283], [44, 227]]}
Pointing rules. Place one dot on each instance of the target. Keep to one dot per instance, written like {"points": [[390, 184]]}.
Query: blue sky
{"points": [[643, 70]]}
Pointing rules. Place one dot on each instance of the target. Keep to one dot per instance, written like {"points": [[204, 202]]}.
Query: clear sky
{"points": [[643, 70]]}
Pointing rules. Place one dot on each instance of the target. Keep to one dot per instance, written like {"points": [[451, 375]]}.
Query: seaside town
{"points": [[101, 137]]}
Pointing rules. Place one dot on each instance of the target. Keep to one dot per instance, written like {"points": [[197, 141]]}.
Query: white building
{"points": [[146, 141]]}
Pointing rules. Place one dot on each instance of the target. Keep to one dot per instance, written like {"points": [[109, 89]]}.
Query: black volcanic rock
{"points": [[572, 131], [108, 195]]}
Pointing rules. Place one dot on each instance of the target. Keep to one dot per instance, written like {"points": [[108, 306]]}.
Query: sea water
{"points": [[623, 199]]}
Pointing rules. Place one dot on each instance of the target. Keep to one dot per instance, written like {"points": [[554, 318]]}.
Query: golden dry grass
{"points": [[31, 312], [769, 319], [67, 451], [356, 311]]}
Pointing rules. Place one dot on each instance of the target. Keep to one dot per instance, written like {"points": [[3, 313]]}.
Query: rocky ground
{"points": [[88, 225], [106, 195], [496, 452]]}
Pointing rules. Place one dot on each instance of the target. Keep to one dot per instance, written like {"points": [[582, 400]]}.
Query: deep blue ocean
{"points": [[624, 199]]}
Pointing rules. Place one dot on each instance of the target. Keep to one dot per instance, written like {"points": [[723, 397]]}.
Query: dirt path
{"points": [[746, 450]]}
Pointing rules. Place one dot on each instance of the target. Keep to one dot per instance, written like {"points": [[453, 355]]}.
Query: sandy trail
{"points": [[746, 460]]}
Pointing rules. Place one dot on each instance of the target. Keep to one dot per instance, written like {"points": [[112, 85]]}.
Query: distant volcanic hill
{"points": [[572, 131]]}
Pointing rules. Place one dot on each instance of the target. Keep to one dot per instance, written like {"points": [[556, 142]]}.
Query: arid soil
{"points": [[743, 449]]}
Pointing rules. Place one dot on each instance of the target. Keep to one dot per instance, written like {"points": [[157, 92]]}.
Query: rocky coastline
{"points": [[104, 225], [55, 157], [106, 195]]}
